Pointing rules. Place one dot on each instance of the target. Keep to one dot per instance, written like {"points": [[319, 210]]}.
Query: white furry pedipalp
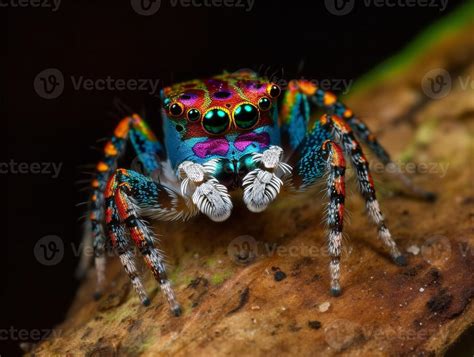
{"points": [[262, 186], [208, 195], [260, 189], [213, 200]]}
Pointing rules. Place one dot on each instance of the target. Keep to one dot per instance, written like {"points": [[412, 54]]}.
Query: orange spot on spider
{"points": [[121, 131], [348, 113], [95, 183], [339, 185], [329, 98], [94, 198], [110, 149], [92, 216], [307, 87], [324, 119], [102, 166]]}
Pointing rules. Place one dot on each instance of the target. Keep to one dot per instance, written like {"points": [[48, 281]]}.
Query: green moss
{"points": [[423, 137], [449, 25], [220, 277]]}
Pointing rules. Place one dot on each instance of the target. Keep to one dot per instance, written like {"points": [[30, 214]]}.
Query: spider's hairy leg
{"points": [[343, 134], [118, 237], [329, 102], [262, 185], [146, 146], [315, 161], [130, 196]]}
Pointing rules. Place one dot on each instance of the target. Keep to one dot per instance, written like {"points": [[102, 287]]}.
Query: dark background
{"points": [[95, 40]]}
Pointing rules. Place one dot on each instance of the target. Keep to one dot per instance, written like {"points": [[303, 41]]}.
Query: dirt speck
{"points": [[440, 302]]}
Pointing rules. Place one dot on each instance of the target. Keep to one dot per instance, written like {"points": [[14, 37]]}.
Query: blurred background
{"points": [[50, 131]]}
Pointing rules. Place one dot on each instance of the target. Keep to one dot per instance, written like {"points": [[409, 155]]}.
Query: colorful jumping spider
{"points": [[222, 134]]}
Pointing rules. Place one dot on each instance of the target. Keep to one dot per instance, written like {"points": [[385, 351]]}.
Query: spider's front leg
{"points": [[315, 162], [129, 196], [208, 195]]}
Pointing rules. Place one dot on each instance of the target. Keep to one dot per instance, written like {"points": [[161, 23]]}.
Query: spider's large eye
{"points": [[273, 90], [176, 109], [216, 121], [246, 115]]}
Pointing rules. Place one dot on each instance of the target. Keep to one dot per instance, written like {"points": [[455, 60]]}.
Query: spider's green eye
{"points": [[194, 114], [176, 109], [274, 91], [216, 121], [264, 103], [246, 115]]}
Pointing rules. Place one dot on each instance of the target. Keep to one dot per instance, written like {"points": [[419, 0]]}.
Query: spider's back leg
{"points": [[132, 128], [329, 102]]}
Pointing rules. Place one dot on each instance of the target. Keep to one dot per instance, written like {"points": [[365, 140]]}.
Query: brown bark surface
{"points": [[279, 303]]}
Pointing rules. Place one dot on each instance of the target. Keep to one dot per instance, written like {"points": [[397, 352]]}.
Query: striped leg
{"points": [[129, 196], [121, 245], [131, 128], [328, 101], [336, 167], [318, 157], [341, 130]]}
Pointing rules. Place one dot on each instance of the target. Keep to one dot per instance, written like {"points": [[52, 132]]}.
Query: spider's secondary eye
{"points": [[264, 103], [274, 90], [216, 121], [166, 103], [246, 116], [194, 114], [176, 109]]}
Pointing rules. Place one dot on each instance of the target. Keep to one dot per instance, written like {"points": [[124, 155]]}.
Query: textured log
{"points": [[279, 302]]}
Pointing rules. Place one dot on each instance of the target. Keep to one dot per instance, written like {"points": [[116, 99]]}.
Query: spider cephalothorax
{"points": [[231, 131]]}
